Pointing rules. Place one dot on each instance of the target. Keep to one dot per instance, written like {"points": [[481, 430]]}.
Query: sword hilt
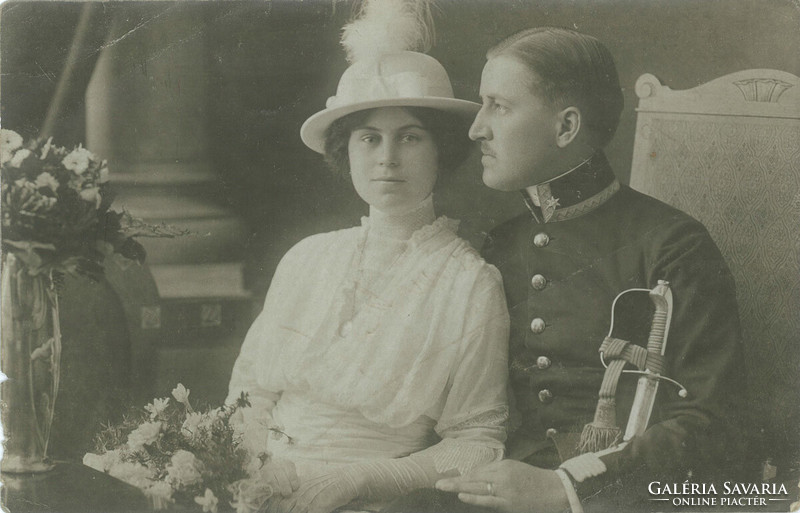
{"points": [[659, 328]]}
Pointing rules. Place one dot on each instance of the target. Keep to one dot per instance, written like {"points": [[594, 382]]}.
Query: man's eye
{"points": [[500, 109]]}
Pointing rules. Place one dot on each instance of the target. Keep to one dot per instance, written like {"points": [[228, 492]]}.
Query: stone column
{"points": [[147, 105]]}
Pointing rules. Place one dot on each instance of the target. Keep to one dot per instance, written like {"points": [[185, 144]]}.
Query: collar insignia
{"points": [[576, 192]]}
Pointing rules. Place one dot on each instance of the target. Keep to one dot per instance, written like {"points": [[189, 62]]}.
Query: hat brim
{"points": [[313, 130]]}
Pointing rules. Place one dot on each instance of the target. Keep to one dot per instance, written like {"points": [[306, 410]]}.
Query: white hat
{"points": [[397, 79]]}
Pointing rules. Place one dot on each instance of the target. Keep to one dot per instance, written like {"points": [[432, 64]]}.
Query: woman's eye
{"points": [[369, 138], [409, 138]]}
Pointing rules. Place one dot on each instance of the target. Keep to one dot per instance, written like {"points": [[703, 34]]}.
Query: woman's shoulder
{"points": [[316, 245], [471, 263]]}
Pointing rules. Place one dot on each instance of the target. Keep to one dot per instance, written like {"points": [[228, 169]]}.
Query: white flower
{"points": [[46, 180], [157, 407], [209, 501], [19, 157], [160, 493], [184, 469], [143, 435], [78, 160], [181, 393], [191, 426], [92, 195], [132, 473], [195, 423], [9, 141]]}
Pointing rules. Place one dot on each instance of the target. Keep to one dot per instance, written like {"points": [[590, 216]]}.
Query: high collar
{"points": [[401, 226], [574, 193]]}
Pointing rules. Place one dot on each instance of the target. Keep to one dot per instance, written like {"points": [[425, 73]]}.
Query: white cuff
{"points": [[572, 495]]}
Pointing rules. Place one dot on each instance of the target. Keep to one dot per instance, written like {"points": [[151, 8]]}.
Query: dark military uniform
{"points": [[563, 264]]}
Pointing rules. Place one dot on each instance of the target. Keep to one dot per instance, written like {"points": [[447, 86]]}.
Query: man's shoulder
{"points": [[638, 212]]}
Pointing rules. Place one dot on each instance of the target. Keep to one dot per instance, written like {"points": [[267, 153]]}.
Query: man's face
{"points": [[517, 130]]}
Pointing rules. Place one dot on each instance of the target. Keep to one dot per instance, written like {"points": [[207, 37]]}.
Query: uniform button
{"points": [[541, 240], [545, 395], [551, 432], [345, 329], [543, 362], [537, 325], [538, 282]]}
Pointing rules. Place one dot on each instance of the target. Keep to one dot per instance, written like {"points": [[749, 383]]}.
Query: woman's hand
{"points": [[511, 487], [281, 476], [320, 494]]}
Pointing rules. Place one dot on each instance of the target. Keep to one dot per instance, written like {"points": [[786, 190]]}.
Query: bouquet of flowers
{"points": [[56, 209], [178, 455]]}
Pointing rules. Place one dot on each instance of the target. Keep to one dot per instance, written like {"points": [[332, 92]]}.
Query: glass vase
{"points": [[30, 358]]}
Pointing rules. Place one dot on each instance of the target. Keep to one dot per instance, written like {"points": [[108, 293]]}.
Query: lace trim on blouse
{"points": [[493, 418], [462, 455], [424, 233]]}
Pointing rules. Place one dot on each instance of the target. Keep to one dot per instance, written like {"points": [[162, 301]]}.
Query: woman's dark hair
{"points": [[570, 69], [449, 132]]}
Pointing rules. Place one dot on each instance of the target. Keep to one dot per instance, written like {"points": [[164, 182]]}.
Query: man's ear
{"points": [[569, 124]]}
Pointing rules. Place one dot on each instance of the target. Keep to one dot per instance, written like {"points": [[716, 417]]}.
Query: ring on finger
{"points": [[490, 488]]}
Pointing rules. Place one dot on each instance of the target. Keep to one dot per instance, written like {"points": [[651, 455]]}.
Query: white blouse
{"points": [[356, 361]]}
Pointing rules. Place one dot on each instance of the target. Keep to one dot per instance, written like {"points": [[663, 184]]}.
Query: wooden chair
{"points": [[728, 153]]}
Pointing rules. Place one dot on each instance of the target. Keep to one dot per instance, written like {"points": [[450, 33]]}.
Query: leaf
{"points": [[136, 227], [132, 250]]}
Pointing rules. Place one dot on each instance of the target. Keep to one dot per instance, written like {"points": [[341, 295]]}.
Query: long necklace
{"points": [[358, 279]]}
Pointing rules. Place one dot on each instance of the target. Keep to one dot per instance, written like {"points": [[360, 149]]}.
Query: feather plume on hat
{"points": [[386, 46], [387, 26]]}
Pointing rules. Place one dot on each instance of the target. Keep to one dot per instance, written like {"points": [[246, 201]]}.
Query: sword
{"points": [[647, 387], [598, 438], [649, 363]]}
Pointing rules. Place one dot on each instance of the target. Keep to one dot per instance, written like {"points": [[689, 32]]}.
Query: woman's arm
{"points": [[251, 362], [385, 479]]}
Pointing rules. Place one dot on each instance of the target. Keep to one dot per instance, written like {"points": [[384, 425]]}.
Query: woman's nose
{"points": [[479, 130], [388, 154]]}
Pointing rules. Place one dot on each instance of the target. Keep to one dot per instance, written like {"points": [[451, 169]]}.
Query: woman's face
{"points": [[393, 160]]}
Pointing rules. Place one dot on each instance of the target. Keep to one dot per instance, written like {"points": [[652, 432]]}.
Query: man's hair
{"points": [[570, 69], [449, 133]]}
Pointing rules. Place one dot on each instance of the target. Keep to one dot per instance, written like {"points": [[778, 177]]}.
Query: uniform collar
{"points": [[576, 192]]}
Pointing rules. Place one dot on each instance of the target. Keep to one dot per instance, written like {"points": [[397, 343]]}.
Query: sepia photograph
{"points": [[400, 256]]}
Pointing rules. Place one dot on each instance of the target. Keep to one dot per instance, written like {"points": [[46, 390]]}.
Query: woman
{"points": [[381, 349]]}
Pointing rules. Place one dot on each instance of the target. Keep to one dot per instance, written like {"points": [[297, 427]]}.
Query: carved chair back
{"points": [[728, 153]]}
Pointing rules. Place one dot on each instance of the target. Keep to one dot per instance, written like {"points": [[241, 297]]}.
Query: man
{"points": [[551, 102]]}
